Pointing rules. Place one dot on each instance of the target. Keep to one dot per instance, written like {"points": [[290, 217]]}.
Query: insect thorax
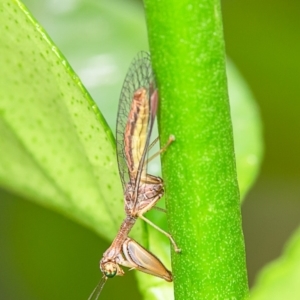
{"points": [[150, 190]]}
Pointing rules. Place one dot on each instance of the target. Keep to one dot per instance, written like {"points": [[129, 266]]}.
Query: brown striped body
{"points": [[141, 198], [136, 130]]}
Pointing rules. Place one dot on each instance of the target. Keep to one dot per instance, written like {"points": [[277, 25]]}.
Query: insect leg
{"points": [[159, 209], [168, 235], [137, 257], [163, 149], [152, 144]]}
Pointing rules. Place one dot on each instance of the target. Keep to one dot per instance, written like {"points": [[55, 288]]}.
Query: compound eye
{"points": [[110, 270]]}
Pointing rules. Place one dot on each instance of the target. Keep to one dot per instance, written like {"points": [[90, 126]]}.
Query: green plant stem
{"points": [[187, 47]]}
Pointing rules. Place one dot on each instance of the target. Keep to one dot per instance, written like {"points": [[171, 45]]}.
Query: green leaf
{"points": [[56, 148]]}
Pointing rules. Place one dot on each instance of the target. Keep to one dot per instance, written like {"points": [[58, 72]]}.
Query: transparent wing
{"points": [[139, 75], [96, 292]]}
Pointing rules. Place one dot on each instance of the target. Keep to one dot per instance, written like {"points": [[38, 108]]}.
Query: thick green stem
{"points": [[187, 47]]}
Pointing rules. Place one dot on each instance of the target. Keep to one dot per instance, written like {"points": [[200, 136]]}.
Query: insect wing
{"points": [[140, 75]]}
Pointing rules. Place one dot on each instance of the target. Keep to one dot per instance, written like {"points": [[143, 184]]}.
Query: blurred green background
{"points": [[46, 256]]}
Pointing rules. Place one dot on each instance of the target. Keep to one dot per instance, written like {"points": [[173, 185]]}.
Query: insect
{"points": [[136, 115]]}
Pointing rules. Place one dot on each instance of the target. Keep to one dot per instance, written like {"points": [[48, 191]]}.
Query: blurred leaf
{"points": [[99, 38], [247, 129], [280, 279]]}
